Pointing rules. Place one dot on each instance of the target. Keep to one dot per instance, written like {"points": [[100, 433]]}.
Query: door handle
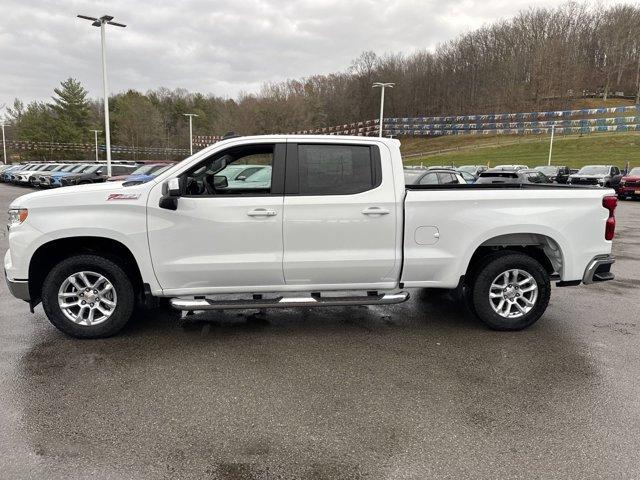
{"points": [[375, 211], [262, 212]]}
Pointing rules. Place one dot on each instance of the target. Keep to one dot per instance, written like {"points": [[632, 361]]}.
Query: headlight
{"points": [[17, 216]]}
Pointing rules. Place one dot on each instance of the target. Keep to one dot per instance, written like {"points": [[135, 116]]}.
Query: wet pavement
{"points": [[418, 390]]}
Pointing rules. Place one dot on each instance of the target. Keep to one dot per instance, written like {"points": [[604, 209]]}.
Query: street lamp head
{"points": [[98, 22], [381, 84]]}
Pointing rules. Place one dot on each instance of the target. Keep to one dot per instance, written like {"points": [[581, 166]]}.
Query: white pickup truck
{"points": [[333, 225]]}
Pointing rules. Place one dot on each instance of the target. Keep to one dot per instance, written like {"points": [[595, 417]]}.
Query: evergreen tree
{"points": [[71, 108]]}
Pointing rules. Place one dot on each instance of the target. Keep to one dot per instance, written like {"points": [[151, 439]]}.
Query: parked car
{"points": [[515, 177], [54, 179], [147, 170], [558, 174], [440, 176], [257, 179], [630, 184], [5, 175], [607, 176], [474, 170], [26, 177], [42, 179], [510, 168], [338, 217], [95, 174]]}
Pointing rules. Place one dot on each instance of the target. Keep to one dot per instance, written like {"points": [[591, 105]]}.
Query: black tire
{"points": [[488, 270], [94, 263]]}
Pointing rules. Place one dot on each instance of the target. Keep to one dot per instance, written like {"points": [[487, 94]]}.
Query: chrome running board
{"points": [[192, 304]]}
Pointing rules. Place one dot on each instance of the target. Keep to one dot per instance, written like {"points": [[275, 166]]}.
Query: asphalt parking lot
{"points": [[420, 390]]}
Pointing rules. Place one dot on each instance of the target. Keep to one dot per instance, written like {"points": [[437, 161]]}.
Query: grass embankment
{"points": [[573, 151]]}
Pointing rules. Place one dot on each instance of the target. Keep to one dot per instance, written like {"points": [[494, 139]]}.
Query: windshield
{"points": [[594, 170], [548, 170], [78, 168], [635, 172], [91, 168], [143, 170], [162, 170], [468, 168], [67, 168]]}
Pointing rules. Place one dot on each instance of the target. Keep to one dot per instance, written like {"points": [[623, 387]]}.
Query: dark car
{"points": [[517, 177], [607, 176], [555, 173], [96, 174], [630, 184], [435, 177]]}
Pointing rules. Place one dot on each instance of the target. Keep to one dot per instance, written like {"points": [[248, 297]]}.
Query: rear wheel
{"points": [[510, 291], [88, 296]]}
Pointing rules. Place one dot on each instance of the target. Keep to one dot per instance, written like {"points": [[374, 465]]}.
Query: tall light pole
{"points": [[382, 86], [4, 146], [95, 133], [190, 115], [101, 22], [553, 129]]}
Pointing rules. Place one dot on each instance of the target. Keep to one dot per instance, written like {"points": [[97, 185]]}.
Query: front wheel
{"points": [[88, 296], [510, 291]]}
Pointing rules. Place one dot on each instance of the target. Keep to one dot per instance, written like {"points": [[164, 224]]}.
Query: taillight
{"points": [[610, 203]]}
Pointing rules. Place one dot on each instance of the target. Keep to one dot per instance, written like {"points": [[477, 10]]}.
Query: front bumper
{"points": [[599, 269], [18, 288]]}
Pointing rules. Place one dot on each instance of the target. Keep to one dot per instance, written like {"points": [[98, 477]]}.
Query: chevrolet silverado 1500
{"points": [[334, 224]]}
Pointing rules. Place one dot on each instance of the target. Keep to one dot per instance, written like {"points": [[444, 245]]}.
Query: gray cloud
{"points": [[220, 47]]}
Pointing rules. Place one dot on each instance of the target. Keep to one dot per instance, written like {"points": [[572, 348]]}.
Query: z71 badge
{"points": [[123, 196]]}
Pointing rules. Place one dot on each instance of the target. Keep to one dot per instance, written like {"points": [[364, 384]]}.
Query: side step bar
{"points": [[288, 302]]}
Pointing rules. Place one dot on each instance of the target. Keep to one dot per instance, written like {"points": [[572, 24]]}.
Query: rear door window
{"points": [[446, 178], [337, 169]]}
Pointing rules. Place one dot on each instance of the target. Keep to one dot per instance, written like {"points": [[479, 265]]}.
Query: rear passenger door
{"points": [[340, 216]]}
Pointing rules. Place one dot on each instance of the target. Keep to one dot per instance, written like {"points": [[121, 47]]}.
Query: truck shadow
{"points": [[242, 389]]}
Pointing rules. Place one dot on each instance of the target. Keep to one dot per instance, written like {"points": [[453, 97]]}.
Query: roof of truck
{"points": [[311, 138]]}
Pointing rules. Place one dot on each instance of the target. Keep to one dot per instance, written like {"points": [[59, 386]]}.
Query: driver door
{"points": [[226, 233]]}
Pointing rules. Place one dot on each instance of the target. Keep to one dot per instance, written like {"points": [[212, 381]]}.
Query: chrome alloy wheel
{"points": [[513, 293], [87, 298]]}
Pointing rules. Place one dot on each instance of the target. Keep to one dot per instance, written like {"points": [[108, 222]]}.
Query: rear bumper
{"points": [[629, 191], [599, 269]]}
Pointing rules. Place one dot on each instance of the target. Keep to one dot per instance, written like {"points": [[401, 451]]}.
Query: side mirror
{"points": [[220, 181], [171, 191]]}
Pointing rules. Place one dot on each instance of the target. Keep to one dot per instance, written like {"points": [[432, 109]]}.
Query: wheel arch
{"points": [[51, 253], [539, 246]]}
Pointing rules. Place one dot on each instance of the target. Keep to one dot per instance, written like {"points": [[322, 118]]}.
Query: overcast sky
{"points": [[219, 47]]}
